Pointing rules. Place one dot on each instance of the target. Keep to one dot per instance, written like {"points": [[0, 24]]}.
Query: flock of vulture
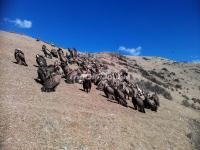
{"points": [[115, 85]]}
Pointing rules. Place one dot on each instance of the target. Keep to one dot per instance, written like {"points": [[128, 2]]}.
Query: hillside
{"points": [[72, 119]]}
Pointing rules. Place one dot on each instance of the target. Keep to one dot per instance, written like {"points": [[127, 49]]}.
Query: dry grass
{"points": [[72, 119]]}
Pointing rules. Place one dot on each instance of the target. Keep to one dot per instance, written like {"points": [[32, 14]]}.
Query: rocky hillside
{"points": [[72, 119]]}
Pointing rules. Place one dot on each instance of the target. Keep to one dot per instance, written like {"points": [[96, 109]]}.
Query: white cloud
{"points": [[195, 58], [20, 23], [131, 51], [196, 61]]}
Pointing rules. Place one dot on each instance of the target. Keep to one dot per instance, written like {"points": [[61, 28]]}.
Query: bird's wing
{"points": [[21, 56]]}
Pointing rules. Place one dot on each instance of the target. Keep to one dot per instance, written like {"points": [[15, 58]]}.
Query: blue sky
{"points": [[166, 28]]}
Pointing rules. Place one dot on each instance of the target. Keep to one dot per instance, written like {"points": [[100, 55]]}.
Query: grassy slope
{"points": [[72, 119]]}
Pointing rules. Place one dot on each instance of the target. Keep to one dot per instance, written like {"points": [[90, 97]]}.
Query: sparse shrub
{"points": [[118, 55], [131, 77], [197, 71], [186, 97], [113, 54], [165, 69], [163, 92], [178, 86], [188, 103], [122, 57], [148, 86], [145, 58], [131, 70], [158, 74], [157, 81], [167, 95], [122, 63], [176, 80], [174, 63], [105, 62], [196, 106], [98, 61], [166, 63], [194, 134], [105, 67], [136, 65], [193, 103], [169, 84], [130, 65], [172, 73], [144, 72], [196, 100], [151, 78], [112, 64]]}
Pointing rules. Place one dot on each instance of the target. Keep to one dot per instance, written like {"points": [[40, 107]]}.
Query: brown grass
{"points": [[72, 119]]}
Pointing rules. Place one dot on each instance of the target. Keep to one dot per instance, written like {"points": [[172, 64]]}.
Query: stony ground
{"points": [[72, 119]]}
